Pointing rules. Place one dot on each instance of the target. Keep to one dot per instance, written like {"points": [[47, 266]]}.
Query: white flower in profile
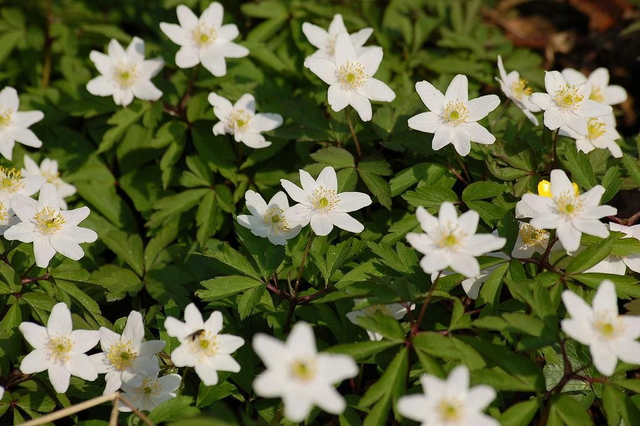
{"points": [[48, 170], [601, 134], [350, 77], [320, 204], [617, 265], [14, 124], [471, 286], [202, 346], [300, 375], [121, 354], [450, 241], [449, 402], [516, 89], [145, 390], [530, 240], [453, 118], [394, 310], [269, 220], [325, 41], [125, 73], [204, 40], [241, 120], [601, 90], [59, 349], [50, 229], [609, 336], [568, 212], [567, 104]]}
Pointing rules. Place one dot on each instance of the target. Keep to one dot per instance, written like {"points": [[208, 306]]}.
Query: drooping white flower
{"points": [[609, 336], [395, 310], [241, 120], [325, 41], [449, 402], [59, 349], [14, 124], [50, 229], [601, 90], [48, 169], [320, 204], [530, 240], [453, 118], [350, 77], [567, 104], [301, 376], [601, 133], [569, 213], [516, 89], [269, 220], [125, 74], [145, 390], [617, 265], [450, 241], [202, 345], [12, 184], [204, 40], [471, 286], [121, 354]]}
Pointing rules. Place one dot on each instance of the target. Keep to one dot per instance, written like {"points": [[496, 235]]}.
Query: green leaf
{"points": [[267, 256], [632, 166], [222, 287], [378, 186], [520, 414], [360, 351], [580, 167], [592, 255], [232, 258], [338, 158], [391, 382], [430, 197], [483, 190]]}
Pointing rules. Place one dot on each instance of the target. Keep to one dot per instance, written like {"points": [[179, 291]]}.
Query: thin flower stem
{"points": [[353, 133], [304, 261], [555, 149], [184, 380], [135, 411], [547, 251], [464, 168], [287, 322], [48, 41], [113, 420], [28, 270], [427, 300], [458, 175], [71, 410], [187, 92], [35, 279]]}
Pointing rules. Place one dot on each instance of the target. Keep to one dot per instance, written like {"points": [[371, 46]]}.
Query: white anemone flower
{"points": [[350, 77], [610, 336], [601, 134], [325, 41], [50, 229], [449, 402], [320, 204], [530, 240], [571, 214], [300, 375], [14, 124], [453, 118], [471, 286], [517, 89], [14, 183], [269, 220], [48, 169], [204, 40], [121, 354], [394, 310], [202, 346], [125, 74], [450, 241], [241, 120], [601, 90], [567, 104], [145, 390], [59, 349], [617, 265]]}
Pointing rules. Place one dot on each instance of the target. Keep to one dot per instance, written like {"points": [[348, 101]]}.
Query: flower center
{"points": [[450, 237], [568, 97], [238, 120], [5, 118], [372, 310], [51, 177], [520, 89], [596, 94], [304, 369], [455, 113], [203, 35], [4, 214], [58, 349], [608, 324], [596, 128], [121, 355], [274, 218], [544, 188], [49, 221], [450, 411], [204, 344], [351, 75], [324, 199], [568, 205], [150, 387], [10, 180], [125, 74], [532, 236]]}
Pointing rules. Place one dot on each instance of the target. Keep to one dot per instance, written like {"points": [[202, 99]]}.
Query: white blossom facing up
{"points": [[320, 204], [571, 214], [204, 40], [349, 75], [269, 220], [50, 229], [516, 88], [567, 104], [59, 349], [202, 346], [125, 74], [121, 354], [601, 90], [48, 170], [452, 117], [449, 402], [610, 336], [301, 376], [394, 310], [14, 124], [450, 241], [145, 390], [241, 120], [325, 40], [616, 264], [601, 134]]}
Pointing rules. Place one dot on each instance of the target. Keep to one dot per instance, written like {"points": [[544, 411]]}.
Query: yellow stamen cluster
{"points": [[6, 116], [544, 188], [450, 237], [125, 74], [351, 75], [532, 236], [520, 89], [274, 218], [10, 180], [239, 120], [304, 369], [121, 355], [4, 215], [597, 94], [49, 221], [324, 199], [149, 387], [568, 205], [58, 349], [455, 113], [372, 310], [205, 344], [204, 35], [450, 411], [608, 324], [568, 97], [596, 128]]}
